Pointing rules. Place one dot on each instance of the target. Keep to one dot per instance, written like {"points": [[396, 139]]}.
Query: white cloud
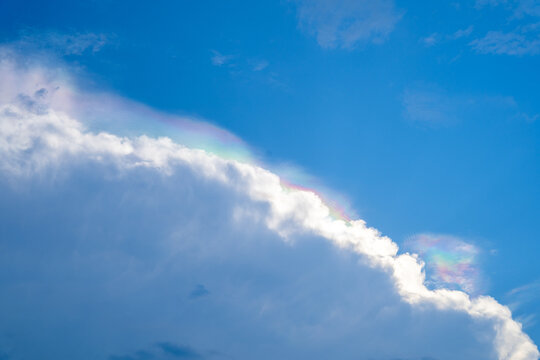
{"points": [[527, 7], [430, 40], [347, 23], [527, 117], [511, 43], [259, 65], [524, 39], [218, 59], [520, 300], [462, 33], [437, 38], [430, 105], [64, 44], [123, 228]]}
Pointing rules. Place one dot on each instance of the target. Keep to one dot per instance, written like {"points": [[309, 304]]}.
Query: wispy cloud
{"points": [[524, 293], [259, 65], [528, 117], [62, 43], [240, 63], [430, 40], [248, 68], [518, 42], [519, 300], [430, 106], [462, 33], [436, 38], [527, 7], [347, 23], [524, 39], [219, 59], [433, 106]]}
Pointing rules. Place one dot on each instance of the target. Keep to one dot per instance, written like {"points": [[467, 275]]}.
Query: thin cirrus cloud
{"points": [[522, 40], [432, 106], [518, 42], [429, 105], [123, 226], [232, 61], [436, 38], [347, 23], [523, 300], [61, 43], [219, 59]]}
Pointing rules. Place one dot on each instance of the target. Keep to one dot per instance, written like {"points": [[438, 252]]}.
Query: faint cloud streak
{"points": [[524, 39], [516, 43], [347, 23], [218, 59], [64, 44], [433, 106]]}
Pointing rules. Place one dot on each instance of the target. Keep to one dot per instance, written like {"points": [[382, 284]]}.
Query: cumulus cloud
{"points": [[347, 23], [104, 237]]}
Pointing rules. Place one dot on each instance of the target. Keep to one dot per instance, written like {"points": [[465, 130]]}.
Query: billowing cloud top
{"points": [[134, 246]]}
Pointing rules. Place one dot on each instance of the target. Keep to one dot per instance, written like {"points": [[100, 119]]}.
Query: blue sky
{"points": [[422, 118]]}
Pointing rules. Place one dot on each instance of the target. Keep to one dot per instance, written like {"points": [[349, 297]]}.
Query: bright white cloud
{"points": [[347, 23], [124, 229]]}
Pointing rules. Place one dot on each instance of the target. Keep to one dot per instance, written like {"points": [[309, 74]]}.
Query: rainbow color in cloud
{"points": [[120, 116], [450, 262]]}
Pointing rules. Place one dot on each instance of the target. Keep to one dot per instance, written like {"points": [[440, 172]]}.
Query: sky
{"points": [[343, 179]]}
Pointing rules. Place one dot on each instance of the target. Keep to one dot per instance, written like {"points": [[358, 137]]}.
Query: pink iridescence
{"points": [[450, 262]]}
